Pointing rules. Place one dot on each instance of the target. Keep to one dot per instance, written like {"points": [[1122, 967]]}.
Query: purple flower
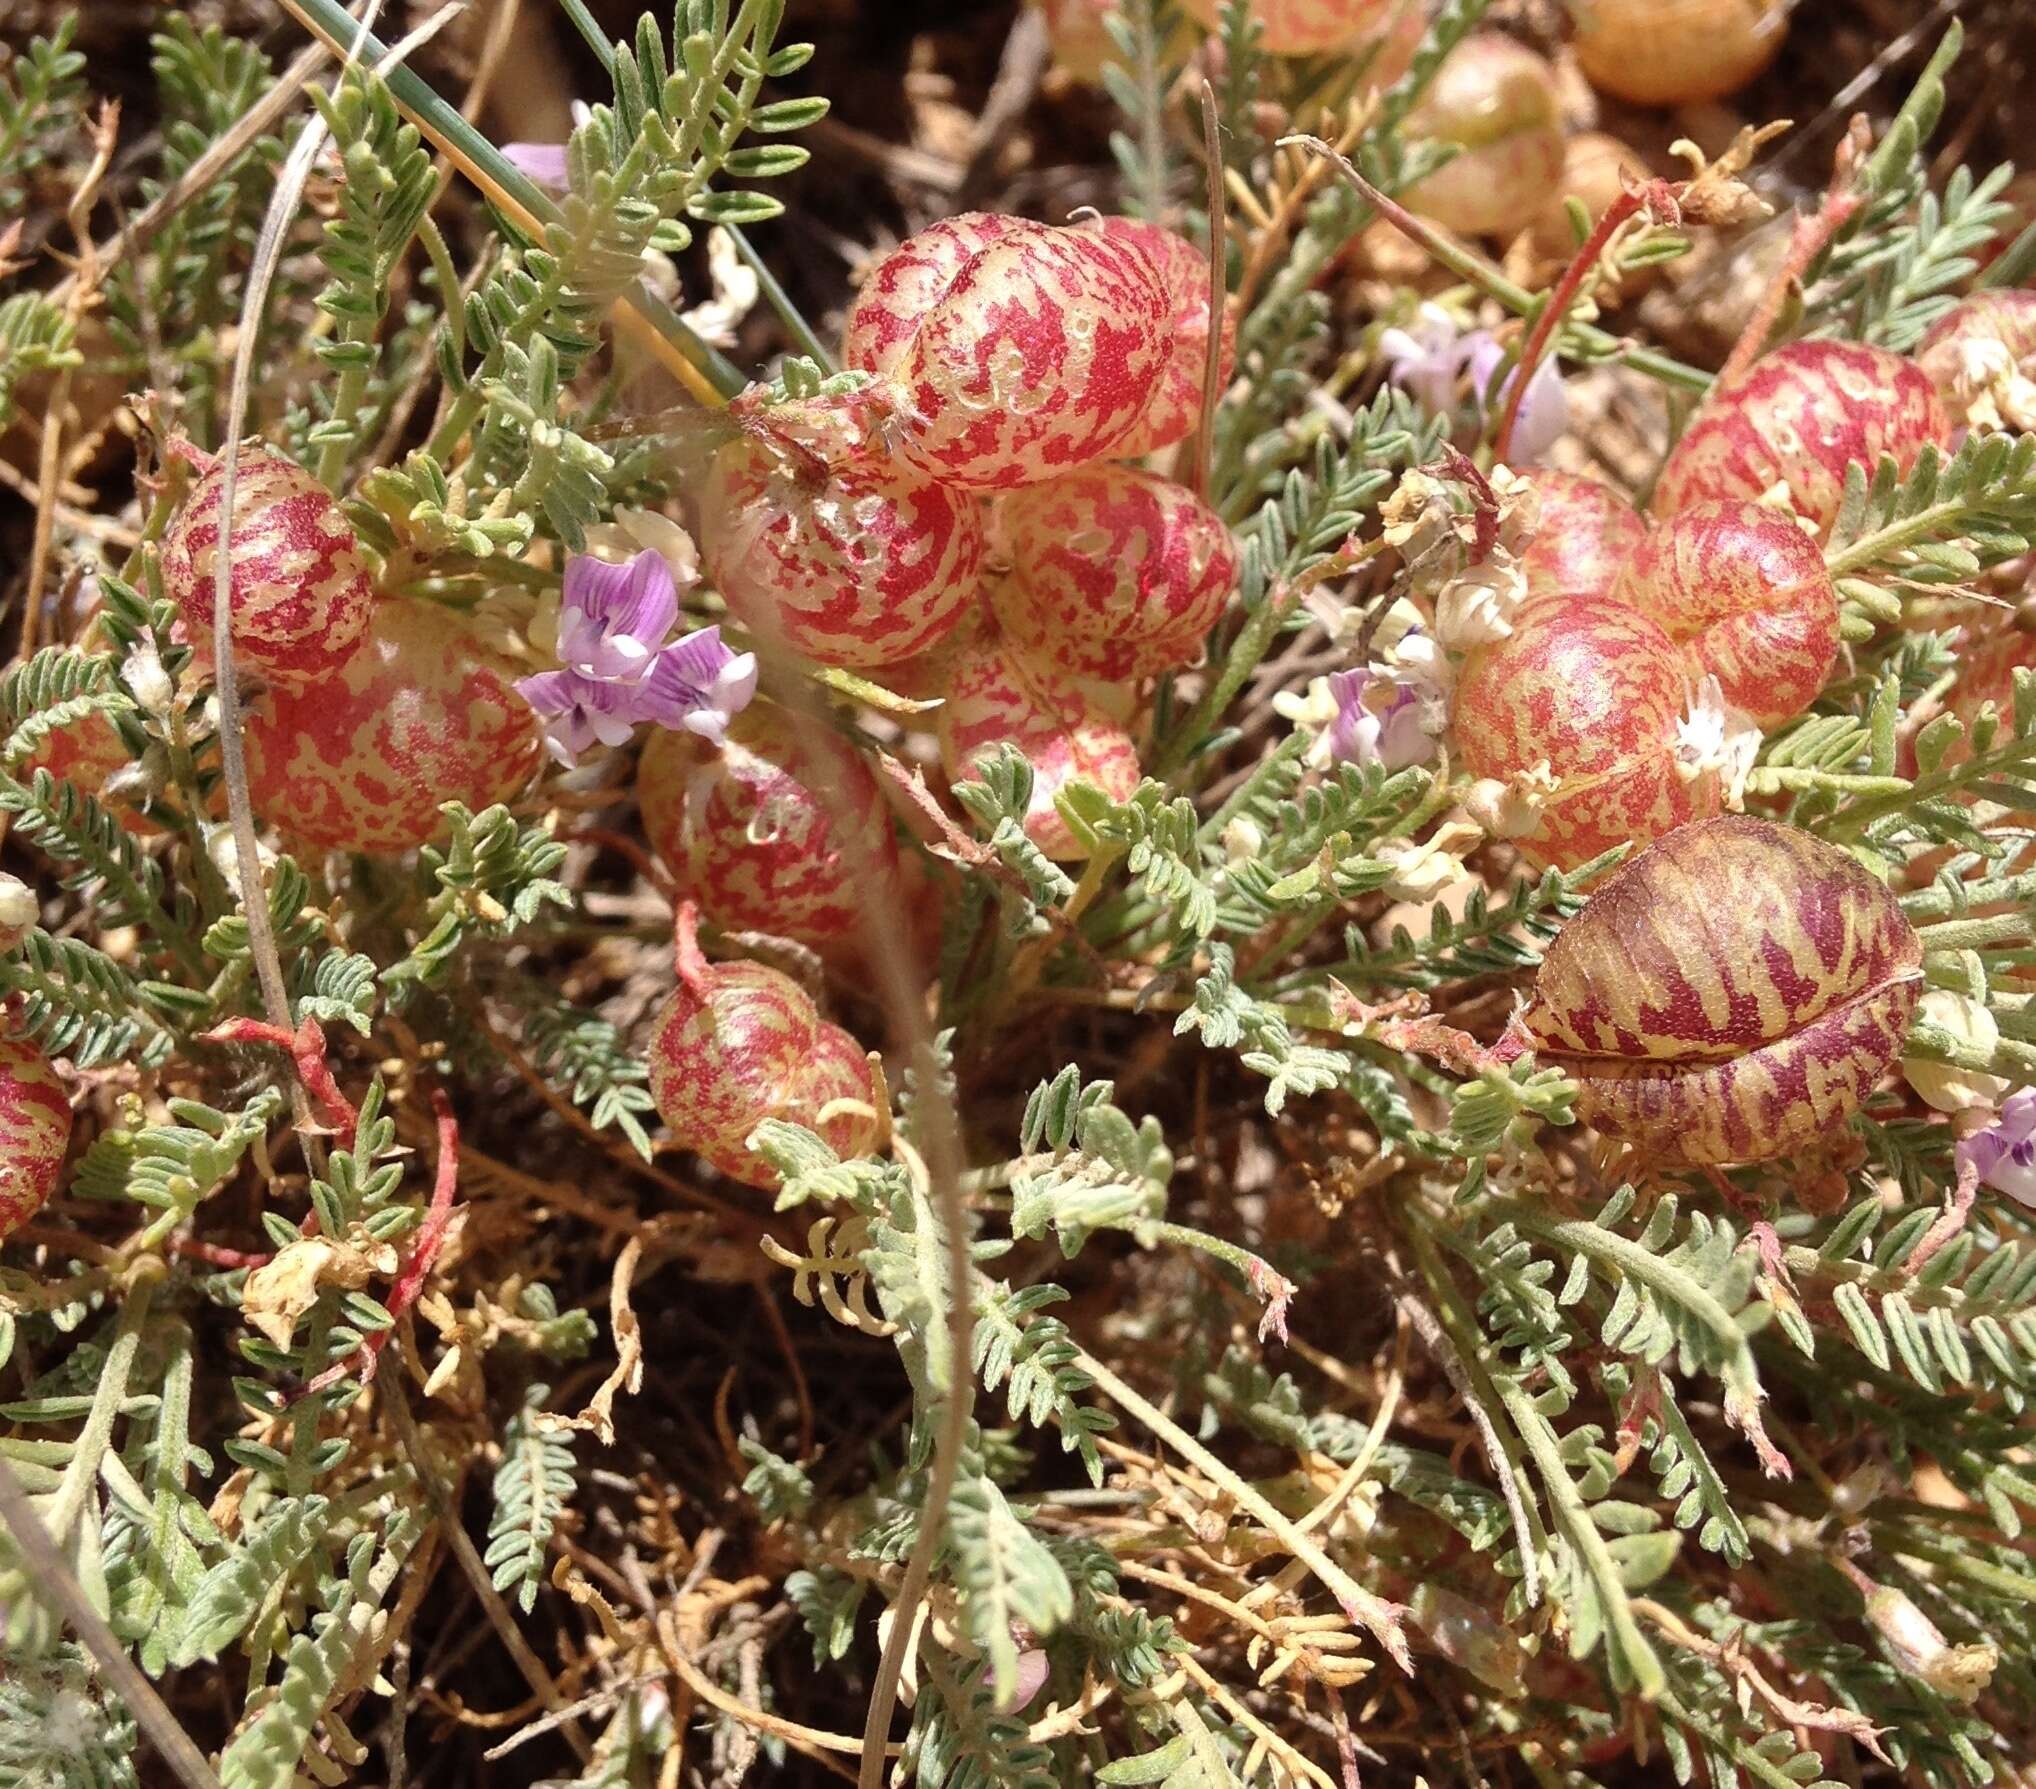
{"points": [[698, 685], [1429, 361], [1544, 411], [580, 711], [615, 617], [542, 164], [1392, 736], [2004, 1154]]}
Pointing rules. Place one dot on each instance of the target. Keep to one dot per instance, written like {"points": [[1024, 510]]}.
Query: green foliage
{"points": [[533, 1484], [998, 798], [493, 877], [42, 101], [35, 337], [78, 1002], [584, 1056], [60, 1730]]}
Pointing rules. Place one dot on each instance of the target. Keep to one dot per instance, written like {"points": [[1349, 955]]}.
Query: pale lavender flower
{"points": [[580, 712], [1427, 360], [614, 618], [2004, 1154], [698, 685], [1544, 411], [1393, 735], [542, 164]]}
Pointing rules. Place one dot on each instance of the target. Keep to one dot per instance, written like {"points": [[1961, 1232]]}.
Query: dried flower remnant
{"points": [[1732, 994], [1981, 357], [35, 1131], [1116, 574], [1946, 1086], [301, 589], [420, 715]]}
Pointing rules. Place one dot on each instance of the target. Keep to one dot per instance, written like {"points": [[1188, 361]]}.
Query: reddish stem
{"points": [[409, 1283], [687, 955], [216, 1254], [306, 1049], [1560, 298], [1808, 240]]}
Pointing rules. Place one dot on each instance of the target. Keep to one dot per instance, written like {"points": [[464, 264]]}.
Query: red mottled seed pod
{"points": [[301, 589], [1595, 690], [1676, 52], [1731, 994], [1116, 573], [1042, 351], [1744, 591], [422, 714], [1176, 410], [1981, 358], [738, 1043], [993, 700], [765, 834], [1496, 100], [35, 1131], [822, 541], [905, 284], [1586, 533], [1799, 418]]}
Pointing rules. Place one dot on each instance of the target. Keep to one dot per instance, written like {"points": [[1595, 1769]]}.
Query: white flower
{"points": [[1423, 869], [19, 910], [635, 531], [736, 290], [1715, 740], [1511, 809], [1944, 1085], [1243, 841], [1312, 710], [148, 681], [1477, 608]]}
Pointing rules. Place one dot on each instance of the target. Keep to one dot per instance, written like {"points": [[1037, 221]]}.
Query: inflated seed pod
{"points": [[994, 699], [1042, 352], [1584, 537], [301, 588], [1744, 591], [1731, 994], [1115, 573], [1306, 27], [86, 753], [1496, 100], [1799, 418], [901, 287], [1079, 33], [1595, 690], [1176, 410], [842, 552], [738, 1043], [777, 831], [1981, 357], [838, 1076], [35, 1131], [422, 713], [1676, 52]]}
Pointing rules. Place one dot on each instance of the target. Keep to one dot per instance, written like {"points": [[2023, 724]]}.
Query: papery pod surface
{"points": [[35, 1131], [1731, 994]]}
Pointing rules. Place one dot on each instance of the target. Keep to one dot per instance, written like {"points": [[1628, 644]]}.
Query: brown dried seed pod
{"points": [[1731, 994]]}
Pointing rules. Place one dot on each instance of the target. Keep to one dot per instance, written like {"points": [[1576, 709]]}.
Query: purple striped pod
{"points": [[1732, 994]]}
